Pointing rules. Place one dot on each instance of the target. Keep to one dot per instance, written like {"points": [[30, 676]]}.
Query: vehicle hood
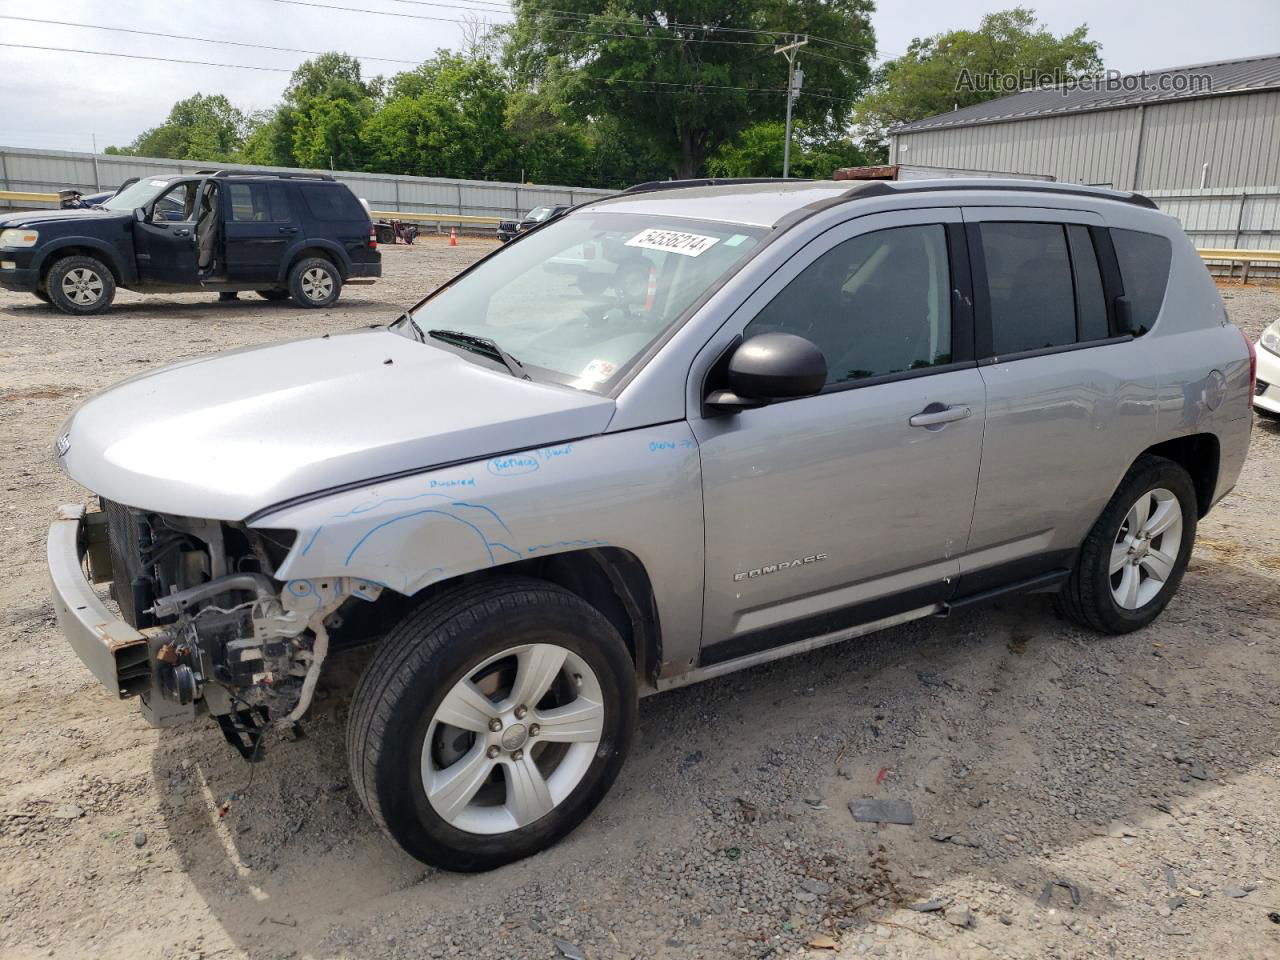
{"points": [[225, 436], [33, 218]]}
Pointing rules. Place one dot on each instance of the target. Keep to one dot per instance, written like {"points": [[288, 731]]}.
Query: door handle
{"points": [[937, 414], [288, 229], [183, 232]]}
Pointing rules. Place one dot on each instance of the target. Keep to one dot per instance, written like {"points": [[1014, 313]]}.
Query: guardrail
{"points": [[1234, 255]]}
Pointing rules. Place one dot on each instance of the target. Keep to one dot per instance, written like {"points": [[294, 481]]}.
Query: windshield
{"points": [[580, 299], [538, 213], [136, 195]]}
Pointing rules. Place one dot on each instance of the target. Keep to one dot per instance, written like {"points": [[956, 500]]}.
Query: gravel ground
{"points": [[1074, 796]]}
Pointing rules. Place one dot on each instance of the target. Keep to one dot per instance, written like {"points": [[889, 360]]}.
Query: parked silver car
{"points": [[676, 433]]}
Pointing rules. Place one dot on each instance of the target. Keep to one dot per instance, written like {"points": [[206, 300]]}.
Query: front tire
{"points": [[80, 286], [1134, 557], [315, 282], [490, 722]]}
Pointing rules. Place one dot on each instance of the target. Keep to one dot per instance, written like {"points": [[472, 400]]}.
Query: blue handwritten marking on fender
{"points": [[461, 482], [513, 465], [657, 446], [488, 544], [368, 507], [550, 453]]}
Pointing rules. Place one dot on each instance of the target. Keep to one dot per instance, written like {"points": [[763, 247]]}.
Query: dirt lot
{"points": [[1139, 772]]}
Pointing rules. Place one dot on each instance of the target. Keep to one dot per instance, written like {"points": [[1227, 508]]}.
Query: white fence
{"points": [[48, 171]]}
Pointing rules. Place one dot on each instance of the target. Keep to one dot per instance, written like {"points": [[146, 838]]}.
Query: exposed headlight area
{"points": [[1270, 339], [19, 237]]}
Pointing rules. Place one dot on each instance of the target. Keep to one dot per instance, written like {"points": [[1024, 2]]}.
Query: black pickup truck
{"points": [[281, 234]]}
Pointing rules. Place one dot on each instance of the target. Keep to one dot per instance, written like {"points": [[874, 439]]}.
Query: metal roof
{"points": [[1249, 75]]}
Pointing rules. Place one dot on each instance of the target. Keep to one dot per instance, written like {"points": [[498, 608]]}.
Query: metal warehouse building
{"points": [[1213, 125]]}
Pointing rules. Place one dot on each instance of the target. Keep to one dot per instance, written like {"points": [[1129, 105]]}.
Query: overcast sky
{"points": [[61, 100]]}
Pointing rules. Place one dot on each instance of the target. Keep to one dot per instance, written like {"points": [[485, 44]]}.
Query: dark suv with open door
{"points": [[302, 235]]}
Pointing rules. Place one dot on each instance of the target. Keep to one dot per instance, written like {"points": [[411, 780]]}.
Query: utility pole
{"points": [[794, 79]]}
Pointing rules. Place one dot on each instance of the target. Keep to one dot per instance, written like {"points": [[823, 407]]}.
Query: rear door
{"points": [[1066, 396], [259, 223]]}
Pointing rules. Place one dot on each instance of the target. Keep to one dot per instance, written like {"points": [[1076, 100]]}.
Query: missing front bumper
{"points": [[113, 651]]}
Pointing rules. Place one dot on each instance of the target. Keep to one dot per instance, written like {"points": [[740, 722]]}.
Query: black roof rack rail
{"points": [[282, 175], [652, 185], [1028, 186]]}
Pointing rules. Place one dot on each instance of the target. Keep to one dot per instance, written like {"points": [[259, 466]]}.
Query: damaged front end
{"points": [[206, 627]]}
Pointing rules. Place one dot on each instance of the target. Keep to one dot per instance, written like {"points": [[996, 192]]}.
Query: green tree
{"points": [[444, 118], [689, 89], [198, 128], [757, 152], [964, 67]]}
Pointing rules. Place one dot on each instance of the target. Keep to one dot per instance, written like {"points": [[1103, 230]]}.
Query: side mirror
{"points": [[770, 367], [140, 214]]}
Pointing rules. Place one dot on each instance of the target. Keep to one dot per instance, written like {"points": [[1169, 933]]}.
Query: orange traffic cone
{"points": [[453, 236]]}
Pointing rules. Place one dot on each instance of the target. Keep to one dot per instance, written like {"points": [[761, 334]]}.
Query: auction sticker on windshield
{"points": [[685, 244]]}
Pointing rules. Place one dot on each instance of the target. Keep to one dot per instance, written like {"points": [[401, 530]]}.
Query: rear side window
{"points": [[259, 202], [1030, 286], [1144, 269], [333, 202]]}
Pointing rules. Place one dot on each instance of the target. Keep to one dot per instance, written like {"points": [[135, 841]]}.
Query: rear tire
{"points": [[273, 294], [427, 760], [314, 282], [1133, 559], [80, 286]]}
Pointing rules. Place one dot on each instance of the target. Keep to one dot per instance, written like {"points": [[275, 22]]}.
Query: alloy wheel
{"points": [[82, 286], [512, 739], [316, 284], [1146, 547]]}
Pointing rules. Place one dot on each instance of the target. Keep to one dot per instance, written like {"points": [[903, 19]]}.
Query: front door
{"points": [[848, 507], [164, 242], [258, 223]]}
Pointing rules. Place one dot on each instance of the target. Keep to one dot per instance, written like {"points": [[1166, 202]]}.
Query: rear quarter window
{"points": [[1144, 269], [332, 202]]}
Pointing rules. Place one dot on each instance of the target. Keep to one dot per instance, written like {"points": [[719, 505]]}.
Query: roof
{"points": [[1110, 92], [750, 204], [768, 204]]}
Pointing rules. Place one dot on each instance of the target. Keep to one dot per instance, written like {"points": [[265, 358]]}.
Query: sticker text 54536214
{"points": [[673, 241]]}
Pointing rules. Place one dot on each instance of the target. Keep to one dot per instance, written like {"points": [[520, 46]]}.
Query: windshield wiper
{"points": [[481, 345]]}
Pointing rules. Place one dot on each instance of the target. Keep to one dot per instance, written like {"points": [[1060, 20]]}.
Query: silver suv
{"points": [[672, 434]]}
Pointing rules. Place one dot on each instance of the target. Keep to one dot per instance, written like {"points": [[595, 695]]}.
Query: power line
{"points": [[698, 87], [385, 13], [179, 36], [138, 56]]}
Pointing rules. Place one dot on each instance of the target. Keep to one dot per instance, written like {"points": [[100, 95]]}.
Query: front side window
{"points": [[1029, 285], [876, 304], [579, 300]]}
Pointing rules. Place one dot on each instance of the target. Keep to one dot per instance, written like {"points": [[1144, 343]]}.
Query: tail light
{"points": [[1253, 366], [373, 237]]}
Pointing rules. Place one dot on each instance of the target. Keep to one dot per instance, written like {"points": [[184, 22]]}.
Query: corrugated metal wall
{"points": [[1161, 146], [47, 171], [1231, 218]]}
